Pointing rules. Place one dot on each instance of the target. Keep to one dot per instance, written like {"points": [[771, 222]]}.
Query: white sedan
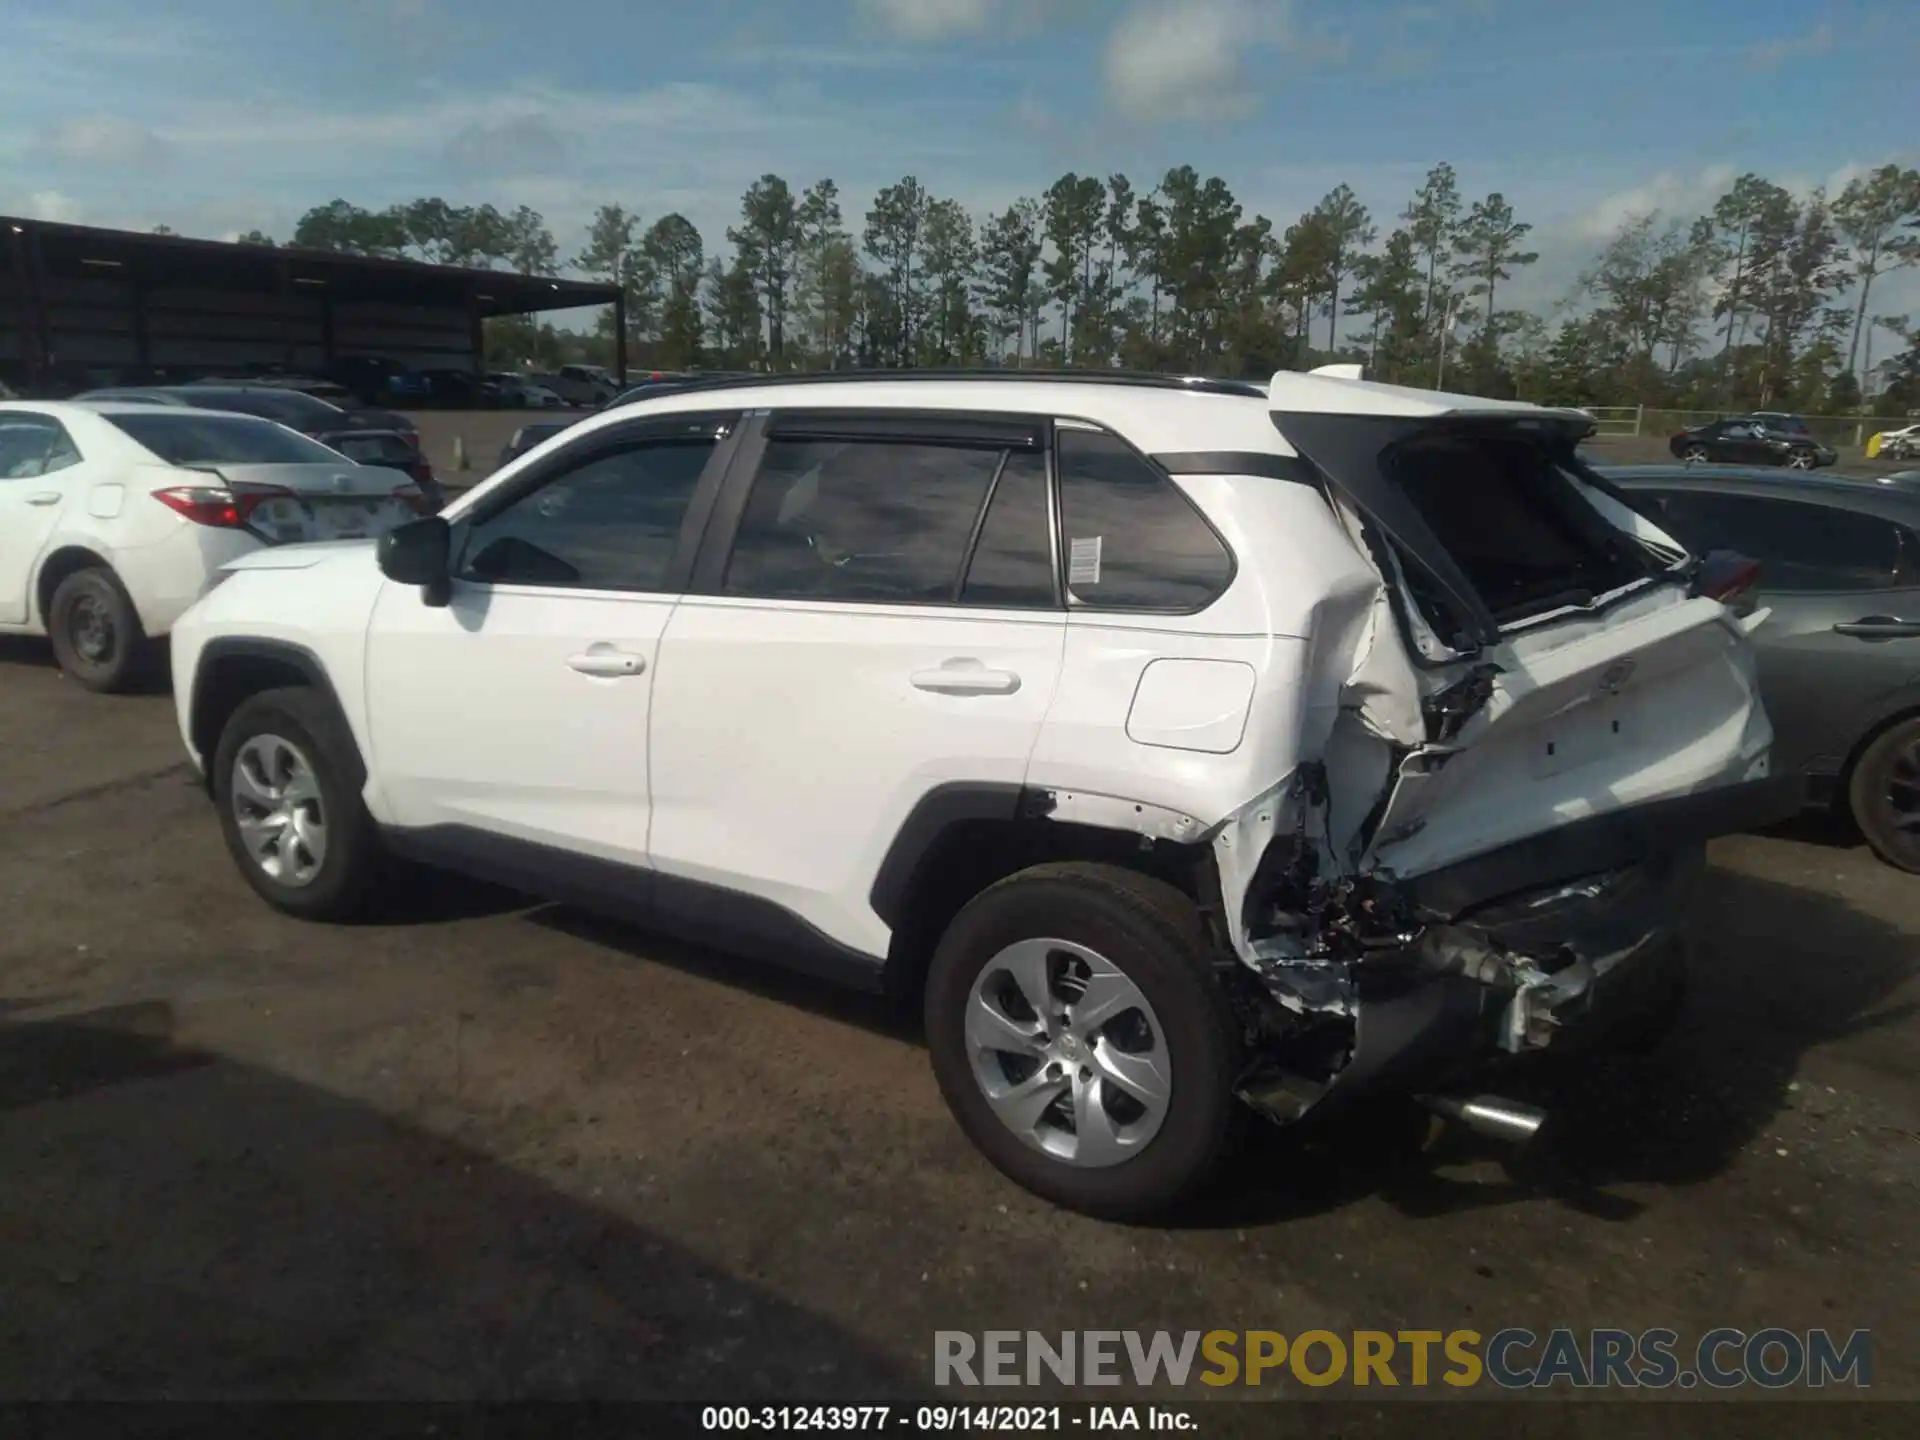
{"points": [[1901, 444], [115, 517]]}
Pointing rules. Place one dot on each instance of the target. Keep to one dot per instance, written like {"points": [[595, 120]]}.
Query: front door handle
{"points": [[966, 677], [45, 497], [1879, 627], [607, 661]]}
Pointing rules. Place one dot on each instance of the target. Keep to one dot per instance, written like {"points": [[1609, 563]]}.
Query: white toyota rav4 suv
{"points": [[1184, 743]]}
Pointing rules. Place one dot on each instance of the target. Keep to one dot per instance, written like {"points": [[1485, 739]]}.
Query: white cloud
{"points": [[100, 140], [930, 19], [1771, 54], [1181, 59], [512, 145], [1679, 194], [52, 205]]}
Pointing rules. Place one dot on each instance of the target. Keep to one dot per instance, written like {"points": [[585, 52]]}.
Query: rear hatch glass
{"points": [[1484, 517], [1501, 507]]}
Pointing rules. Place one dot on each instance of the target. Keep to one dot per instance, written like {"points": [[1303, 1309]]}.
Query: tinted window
{"points": [[32, 445], [1013, 558], [859, 520], [189, 437], [1800, 545], [289, 407], [1132, 541], [1504, 511], [610, 524]]}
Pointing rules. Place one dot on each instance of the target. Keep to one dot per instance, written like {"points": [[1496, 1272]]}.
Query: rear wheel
{"points": [[1081, 1039], [96, 632], [1884, 795], [1695, 455], [286, 778]]}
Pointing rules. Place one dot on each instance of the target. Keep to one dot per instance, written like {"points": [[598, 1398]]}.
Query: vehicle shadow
{"points": [[880, 1014], [1777, 970], [185, 1226], [29, 650], [34, 652]]}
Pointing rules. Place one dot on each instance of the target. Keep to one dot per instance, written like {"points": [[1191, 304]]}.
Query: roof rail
{"points": [[1139, 378]]}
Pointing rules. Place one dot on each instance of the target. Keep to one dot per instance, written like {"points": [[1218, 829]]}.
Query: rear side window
{"points": [[1013, 558], [187, 437], [1132, 541], [33, 445], [1800, 545], [858, 520]]}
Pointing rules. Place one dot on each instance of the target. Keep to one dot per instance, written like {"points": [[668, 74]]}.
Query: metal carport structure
{"points": [[81, 306]]}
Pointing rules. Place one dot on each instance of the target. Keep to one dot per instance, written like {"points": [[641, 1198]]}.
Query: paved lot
{"points": [[498, 1150]]}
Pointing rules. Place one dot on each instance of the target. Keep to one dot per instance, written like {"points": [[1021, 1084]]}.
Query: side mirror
{"points": [[417, 553]]}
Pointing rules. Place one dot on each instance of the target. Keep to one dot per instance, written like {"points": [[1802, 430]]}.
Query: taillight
{"points": [[412, 497], [1724, 575], [215, 505]]}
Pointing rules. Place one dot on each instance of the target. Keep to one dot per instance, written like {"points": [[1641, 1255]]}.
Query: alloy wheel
{"points": [[278, 811], [1903, 790], [1696, 455], [1068, 1052]]}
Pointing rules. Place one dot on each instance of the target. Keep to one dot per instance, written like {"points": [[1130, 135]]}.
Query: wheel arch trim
{"points": [[206, 701]]}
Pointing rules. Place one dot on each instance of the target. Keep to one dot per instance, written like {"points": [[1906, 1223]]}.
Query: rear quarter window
{"points": [[1130, 539]]}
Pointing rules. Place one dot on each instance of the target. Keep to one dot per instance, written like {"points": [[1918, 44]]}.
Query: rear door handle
{"points": [[607, 661], [966, 677], [1879, 627], [45, 497]]}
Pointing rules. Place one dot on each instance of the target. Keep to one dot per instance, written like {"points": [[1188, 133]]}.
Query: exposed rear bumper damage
{"points": [[1364, 982]]}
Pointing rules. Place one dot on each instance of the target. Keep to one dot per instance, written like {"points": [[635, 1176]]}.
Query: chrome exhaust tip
{"points": [[1489, 1115]]}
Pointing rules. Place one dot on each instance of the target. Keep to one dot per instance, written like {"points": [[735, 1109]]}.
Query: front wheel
{"points": [[287, 781], [1800, 460], [1695, 455], [1884, 795], [1082, 1040]]}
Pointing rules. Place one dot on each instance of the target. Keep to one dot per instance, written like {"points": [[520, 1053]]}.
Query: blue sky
{"points": [[231, 114]]}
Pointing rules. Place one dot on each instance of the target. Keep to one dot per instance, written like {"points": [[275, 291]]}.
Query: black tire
{"points": [[1802, 460], [1152, 933], [1696, 455], [1890, 763], [96, 633], [348, 876]]}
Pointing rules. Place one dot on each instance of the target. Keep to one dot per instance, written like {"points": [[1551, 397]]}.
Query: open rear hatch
{"points": [[1543, 655]]}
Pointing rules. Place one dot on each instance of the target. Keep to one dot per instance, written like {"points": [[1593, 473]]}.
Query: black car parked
{"points": [[1752, 440], [370, 437], [1840, 643]]}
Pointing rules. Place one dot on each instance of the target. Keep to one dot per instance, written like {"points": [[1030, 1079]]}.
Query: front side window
{"points": [[1130, 539], [1800, 546], [188, 437], [611, 523], [853, 520]]}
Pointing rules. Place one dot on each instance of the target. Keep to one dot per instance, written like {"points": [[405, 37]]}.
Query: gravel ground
{"points": [[497, 1150]]}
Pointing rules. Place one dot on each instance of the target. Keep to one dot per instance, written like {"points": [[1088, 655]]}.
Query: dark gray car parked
{"points": [[1840, 649]]}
